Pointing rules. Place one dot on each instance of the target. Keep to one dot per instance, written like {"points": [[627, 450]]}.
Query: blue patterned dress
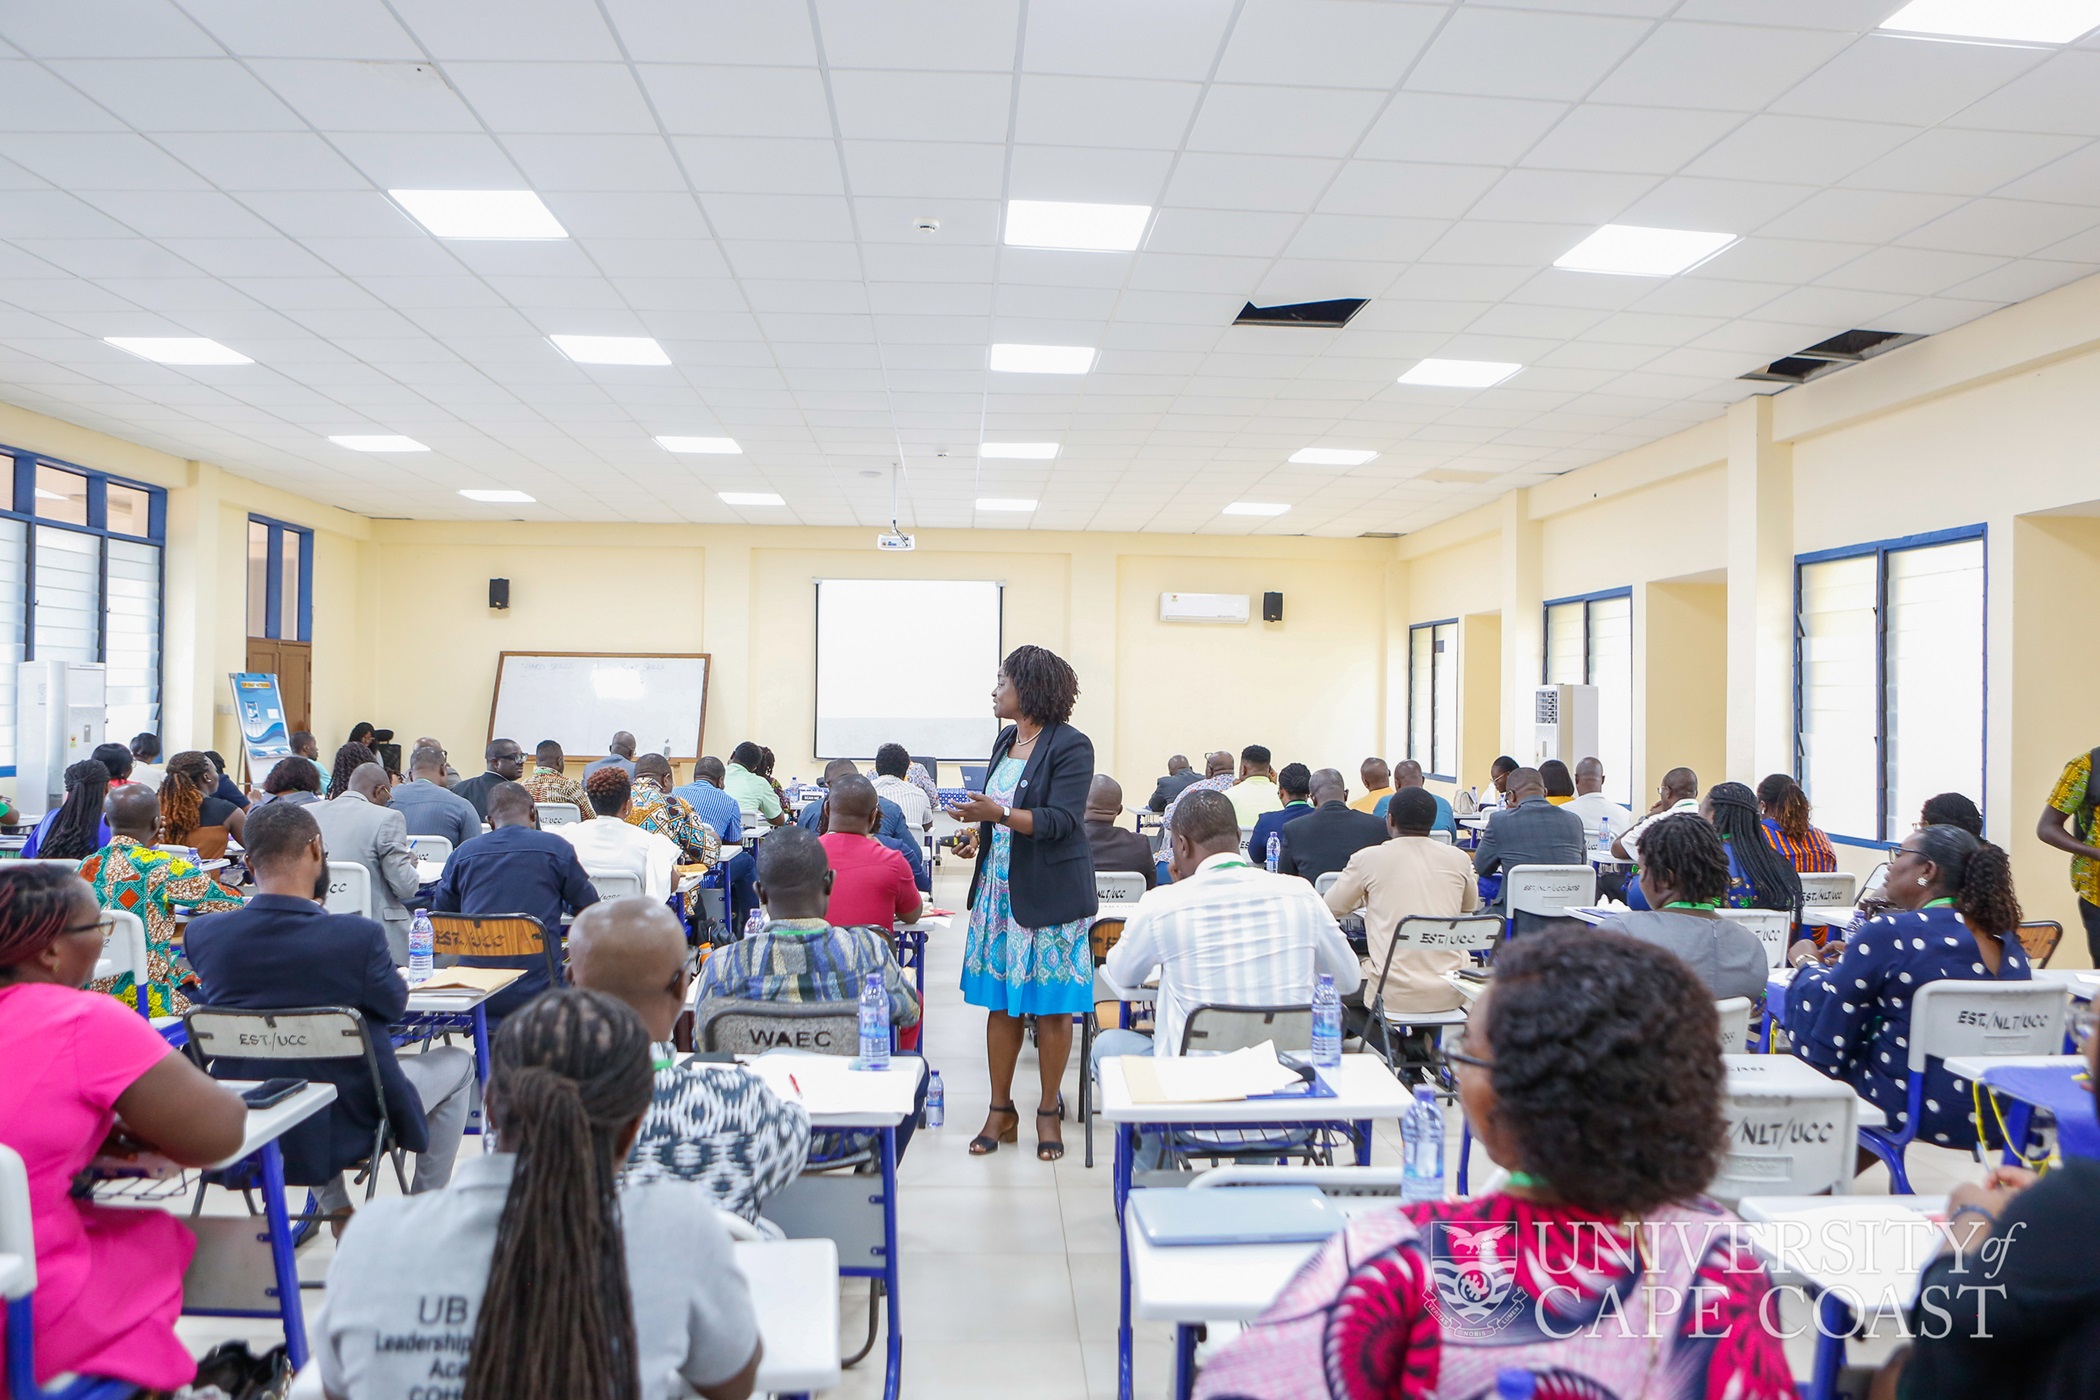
{"points": [[1021, 971]]}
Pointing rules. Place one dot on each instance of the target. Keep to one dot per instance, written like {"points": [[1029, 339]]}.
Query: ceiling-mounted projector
{"points": [[895, 540]]}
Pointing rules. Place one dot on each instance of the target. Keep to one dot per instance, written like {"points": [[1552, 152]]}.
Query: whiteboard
{"points": [[580, 699], [907, 661]]}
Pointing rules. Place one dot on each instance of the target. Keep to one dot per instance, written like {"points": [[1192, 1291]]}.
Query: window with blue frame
{"points": [[1432, 697], [1889, 679], [1589, 641], [280, 580], [81, 579]]}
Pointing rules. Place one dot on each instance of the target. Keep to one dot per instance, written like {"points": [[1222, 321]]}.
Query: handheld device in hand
{"points": [[271, 1092]]}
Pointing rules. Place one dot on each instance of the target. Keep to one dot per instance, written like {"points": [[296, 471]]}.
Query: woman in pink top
{"points": [[86, 1075]]}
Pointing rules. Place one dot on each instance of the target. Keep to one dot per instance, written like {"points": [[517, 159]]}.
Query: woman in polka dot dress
{"points": [[1953, 916]]}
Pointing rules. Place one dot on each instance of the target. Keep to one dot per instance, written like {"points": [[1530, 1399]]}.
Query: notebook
{"points": [[1281, 1214]]}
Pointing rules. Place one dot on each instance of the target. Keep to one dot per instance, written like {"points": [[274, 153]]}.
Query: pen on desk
{"points": [[797, 1085]]}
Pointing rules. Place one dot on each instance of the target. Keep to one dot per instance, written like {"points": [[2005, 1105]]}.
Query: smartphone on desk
{"points": [[271, 1092]]}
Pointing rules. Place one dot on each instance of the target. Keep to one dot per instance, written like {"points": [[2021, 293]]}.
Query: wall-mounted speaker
{"points": [[1272, 607], [499, 592]]}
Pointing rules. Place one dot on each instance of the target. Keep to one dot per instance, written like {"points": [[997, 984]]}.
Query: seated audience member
{"points": [[429, 807], [618, 754], [1498, 776], [1180, 773], [715, 807], [294, 782], [506, 764], [550, 781], [75, 829], [892, 764], [1255, 792], [1759, 877], [189, 799], [283, 951], [1378, 786], [1953, 916], [890, 820], [1408, 774], [1294, 786], [554, 1280], [226, 789], [363, 733], [306, 746], [1952, 809], [361, 828], [348, 759], [145, 759], [1530, 831], [801, 956], [1592, 1069], [714, 1124], [515, 868], [1217, 777], [2034, 1328], [1116, 849], [1409, 875], [448, 777], [1785, 809], [1678, 792], [129, 874], [755, 797], [1325, 838], [915, 773], [655, 809], [871, 884], [81, 1073], [1592, 805], [615, 847], [1685, 879], [1560, 783], [118, 760]]}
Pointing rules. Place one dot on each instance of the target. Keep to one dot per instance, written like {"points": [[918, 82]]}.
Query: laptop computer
{"points": [[1280, 1214]]}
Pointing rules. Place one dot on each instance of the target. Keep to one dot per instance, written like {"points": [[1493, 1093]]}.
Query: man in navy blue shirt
{"points": [[890, 827], [515, 869], [282, 949], [1294, 785]]}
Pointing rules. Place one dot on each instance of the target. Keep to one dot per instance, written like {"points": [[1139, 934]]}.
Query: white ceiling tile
{"points": [[332, 213], [33, 99], [1598, 137], [1511, 53], [1883, 77], [814, 218], [1931, 315], [761, 165], [1358, 238], [1859, 216], [2056, 97], [1453, 129], [2003, 227], [1491, 242], [1110, 38], [2075, 179], [264, 160], [383, 257], [554, 97], [1216, 232], [1057, 110], [1915, 271], [1088, 175], [715, 31], [596, 162], [1838, 308], [1721, 206], [1943, 161], [2017, 281], [1809, 150], [1326, 43], [180, 94], [1732, 67], [901, 169], [1561, 196], [717, 100], [339, 29], [110, 29], [179, 213], [922, 106], [657, 257], [1401, 188], [1283, 121], [1203, 180], [98, 161], [593, 215], [920, 34], [342, 95], [509, 29], [786, 257]]}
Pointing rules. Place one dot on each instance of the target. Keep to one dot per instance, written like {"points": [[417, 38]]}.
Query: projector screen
{"points": [[907, 661]]}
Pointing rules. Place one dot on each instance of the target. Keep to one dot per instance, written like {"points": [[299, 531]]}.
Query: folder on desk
{"points": [[1243, 1074], [469, 979], [1280, 1214]]}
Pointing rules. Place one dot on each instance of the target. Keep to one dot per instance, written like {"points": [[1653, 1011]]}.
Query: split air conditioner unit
{"points": [[1564, 723], [1203, 607]]}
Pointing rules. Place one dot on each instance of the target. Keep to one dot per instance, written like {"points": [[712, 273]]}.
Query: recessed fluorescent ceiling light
{"points": [[1632, 251], [1331, 457], [611, 349], [178, 350], [1043, 359], [378, 442], [2035, 21], [750, 498], [499, 497], [480, 213], [1459, 374], [1024, 451], [1003, 503], [722, 447], [1102, 228], [1254, 508]]}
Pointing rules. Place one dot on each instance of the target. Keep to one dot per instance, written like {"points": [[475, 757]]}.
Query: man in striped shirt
{"points": [[1217, 776]]}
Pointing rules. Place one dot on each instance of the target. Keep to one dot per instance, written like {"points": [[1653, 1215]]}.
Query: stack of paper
{"points": [[469, 979], [1208, 1078], [830, 1084]]}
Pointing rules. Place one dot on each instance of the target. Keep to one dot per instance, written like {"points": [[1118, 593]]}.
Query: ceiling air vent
{"points": [[1302, 313], [1379, 535], [1829, 356]]}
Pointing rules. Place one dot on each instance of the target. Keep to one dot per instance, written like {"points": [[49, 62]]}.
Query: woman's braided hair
{"points": [[1774, 883], [35, 902], [571, 1072], [1044, 683], [1788, 804], [189, 781], [1977, 874], [348, 759], [74, 832], [1687, 852]]}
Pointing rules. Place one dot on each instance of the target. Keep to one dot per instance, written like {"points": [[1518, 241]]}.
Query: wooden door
{"points": [[293, 665]]}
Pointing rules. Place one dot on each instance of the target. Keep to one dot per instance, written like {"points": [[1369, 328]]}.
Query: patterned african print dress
{"points": [[153, 884], [1006, 967]]}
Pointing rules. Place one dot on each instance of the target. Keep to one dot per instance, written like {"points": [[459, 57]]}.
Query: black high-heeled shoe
{"points": [[1049, 1151], [984, 1144]]}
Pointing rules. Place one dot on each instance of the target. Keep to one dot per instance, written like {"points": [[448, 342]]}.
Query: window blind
{"points": [[1840, 757], [1444, 651], [1934, 694], [1421, 695], [132, 630], [68, 596], [1611, 671], [14, 571]]}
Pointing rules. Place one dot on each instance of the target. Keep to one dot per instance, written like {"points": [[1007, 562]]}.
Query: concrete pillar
{"points": [[1523, 620], [1759, 538], [198, 553]]}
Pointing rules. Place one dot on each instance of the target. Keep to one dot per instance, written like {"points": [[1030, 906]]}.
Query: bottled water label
{"points": [[1326, 1024], [421, 942], [936, 1101], [874, 1024], [1422, 1149]]}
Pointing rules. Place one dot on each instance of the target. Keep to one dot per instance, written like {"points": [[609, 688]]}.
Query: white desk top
{"points": [[2083, 981], [1107, 990], [794, 1291], [1786, 1074], [1868, 1248], [1980, 1066], [1364, 1087], [428, 872], [443, 1000], [898, 1084], [1836, 915], [264, 1126]]}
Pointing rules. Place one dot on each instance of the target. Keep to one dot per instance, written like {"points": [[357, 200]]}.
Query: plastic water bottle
{"points": [[936, 1101], [1275, 850], [1515, 1383], [756, 924], [1603, 844], [874, 1025], [422, 941], [1422, 1146], [1327, 1024]]}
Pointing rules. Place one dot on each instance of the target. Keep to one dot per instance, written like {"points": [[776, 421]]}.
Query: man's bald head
{"points": [[1589, 777], [369, 781], [1524, 782], [839, 768], [622, 744], [1407, 774], [1680, 783], [656, 768], [1178, 763], [1217, 763], [510, 804], [1375, 774], [133, 809], [1104, 798], [709, 770], [852, 805], [1328, 785], [633, 949]]}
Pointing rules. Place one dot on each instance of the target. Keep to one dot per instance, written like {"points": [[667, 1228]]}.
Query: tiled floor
{"points": [[1009, 1264]]}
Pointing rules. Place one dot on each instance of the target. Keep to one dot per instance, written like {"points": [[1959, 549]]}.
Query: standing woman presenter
{"points": [[1032, 897]]}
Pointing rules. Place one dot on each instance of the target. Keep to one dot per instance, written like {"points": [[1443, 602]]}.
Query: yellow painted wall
{"points": [[1681, 633]]}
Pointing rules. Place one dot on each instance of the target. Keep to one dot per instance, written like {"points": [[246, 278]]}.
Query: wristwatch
{"points": [[1004, 812]]}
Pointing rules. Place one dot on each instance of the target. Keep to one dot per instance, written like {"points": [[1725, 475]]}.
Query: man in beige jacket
{"points": [[1410, 875]]}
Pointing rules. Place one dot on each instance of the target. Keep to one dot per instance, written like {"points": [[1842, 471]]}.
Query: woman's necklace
{"points": [[1020, 742]]}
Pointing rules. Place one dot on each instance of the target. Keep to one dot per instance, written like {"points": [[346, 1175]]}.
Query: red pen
{"points": [[797, 1084]]}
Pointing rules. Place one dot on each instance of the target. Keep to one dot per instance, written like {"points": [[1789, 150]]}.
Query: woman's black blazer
{"points": [[1051, 876]]}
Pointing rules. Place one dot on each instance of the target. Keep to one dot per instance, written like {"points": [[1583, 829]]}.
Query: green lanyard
{"points": [[1233, 865], [1708, 905], [1938, 904]]}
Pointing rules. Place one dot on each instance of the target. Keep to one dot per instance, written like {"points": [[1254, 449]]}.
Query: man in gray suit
{"points": [[1532, 831], [619, 754], [429, 806], [357, 825]]}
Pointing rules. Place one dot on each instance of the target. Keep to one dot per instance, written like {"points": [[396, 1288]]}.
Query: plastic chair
{"points": [[437, 848], [1117, 887], [1834, 890], [743, 1027], [1548, 891], [558, 813], [1102, 936], [2038, 939], [18, 1287], [124, 950], [1215, 1030], [1326, 882], [1800, 1143], [1735, 1024], [1773, 928], [1969, 1019], [349, 889], [1470, 934], [496, 936], [614, 884]]}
